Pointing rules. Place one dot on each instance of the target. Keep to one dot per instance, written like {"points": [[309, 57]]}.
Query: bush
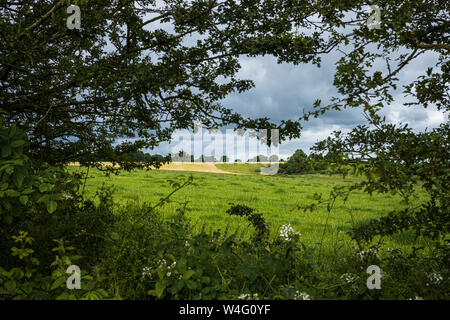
{"points": [[131, 252], [301, 163]]}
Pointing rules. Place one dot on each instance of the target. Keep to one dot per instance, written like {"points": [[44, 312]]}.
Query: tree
{"points": [[124, 76], [297, 163], [393, 157], [76, 92]]}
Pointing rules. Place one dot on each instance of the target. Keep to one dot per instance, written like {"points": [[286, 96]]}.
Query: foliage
{"points": [[256, 219], [140, 156], [75, 92], [45, 201], [24, 281], [301, 163], [66, 97], [394, 158]]}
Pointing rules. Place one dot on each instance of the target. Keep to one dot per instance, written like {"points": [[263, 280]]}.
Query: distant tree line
{"points": [[140, 156], [185, 157], [300, 162]]}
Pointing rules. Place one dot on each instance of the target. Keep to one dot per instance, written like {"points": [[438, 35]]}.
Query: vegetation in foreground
{"points": [[132, 251], [76, 103], [281, 199]]}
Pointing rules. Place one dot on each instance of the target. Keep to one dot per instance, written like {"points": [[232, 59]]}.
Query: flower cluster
{"points": [[349, 277], [434, 278], [286, 232], [166, 268], [66, 195], [161, 264], [147, 272], [248, 296], [370, 252], [301, 296]]}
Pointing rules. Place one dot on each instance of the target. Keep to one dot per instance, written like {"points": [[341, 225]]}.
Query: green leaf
{"points": [[17, 143], [114, 236], [159, 289], [191, 284], [58, 282], [23, 199], [45, 187], [18, 179], [51, 206], [6, 151], [12, 193], [188, 274], [10, 285]]}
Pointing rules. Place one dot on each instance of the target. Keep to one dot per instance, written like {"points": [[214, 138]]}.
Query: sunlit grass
{"points": [[276, 197]]}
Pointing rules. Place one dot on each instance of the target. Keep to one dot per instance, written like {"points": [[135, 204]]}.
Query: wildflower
{"points": [[348, 277], [370, 252], [146, 272], [301, 296], [172, 266], [286, 232], [248, 296], [162, 263], [434, 278], [243, 296], [66, 195]]}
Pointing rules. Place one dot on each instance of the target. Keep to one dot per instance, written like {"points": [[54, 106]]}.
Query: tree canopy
{"points": [[138, 70]]}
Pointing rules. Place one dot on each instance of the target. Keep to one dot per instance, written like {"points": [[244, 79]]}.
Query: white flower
{"points": [[301, 296], [370, 252], [416, 298], [286, 232], [248, 296], [434, 278], [348, 277], [66, 195], [162, 262], [146, 272]]}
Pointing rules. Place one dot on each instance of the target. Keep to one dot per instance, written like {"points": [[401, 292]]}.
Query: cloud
{"points": [[284, 91]]}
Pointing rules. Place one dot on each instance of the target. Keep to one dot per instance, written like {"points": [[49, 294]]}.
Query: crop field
{"points": [[278, 198]]}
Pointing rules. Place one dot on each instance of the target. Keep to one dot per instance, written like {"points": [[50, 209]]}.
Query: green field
{"points": [[273, 196], [243, 168]]}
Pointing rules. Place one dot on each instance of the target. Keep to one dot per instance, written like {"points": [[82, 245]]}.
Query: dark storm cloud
{"points": [[285, 91]]}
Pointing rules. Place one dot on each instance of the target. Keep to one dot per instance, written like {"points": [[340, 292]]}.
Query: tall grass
{"points": [[278, 198]]}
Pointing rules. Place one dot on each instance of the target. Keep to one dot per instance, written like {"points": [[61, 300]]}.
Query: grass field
{"points": [[273, 196]]}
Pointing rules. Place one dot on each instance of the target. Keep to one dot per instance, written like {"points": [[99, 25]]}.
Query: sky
{"points": [[284, 91]]}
